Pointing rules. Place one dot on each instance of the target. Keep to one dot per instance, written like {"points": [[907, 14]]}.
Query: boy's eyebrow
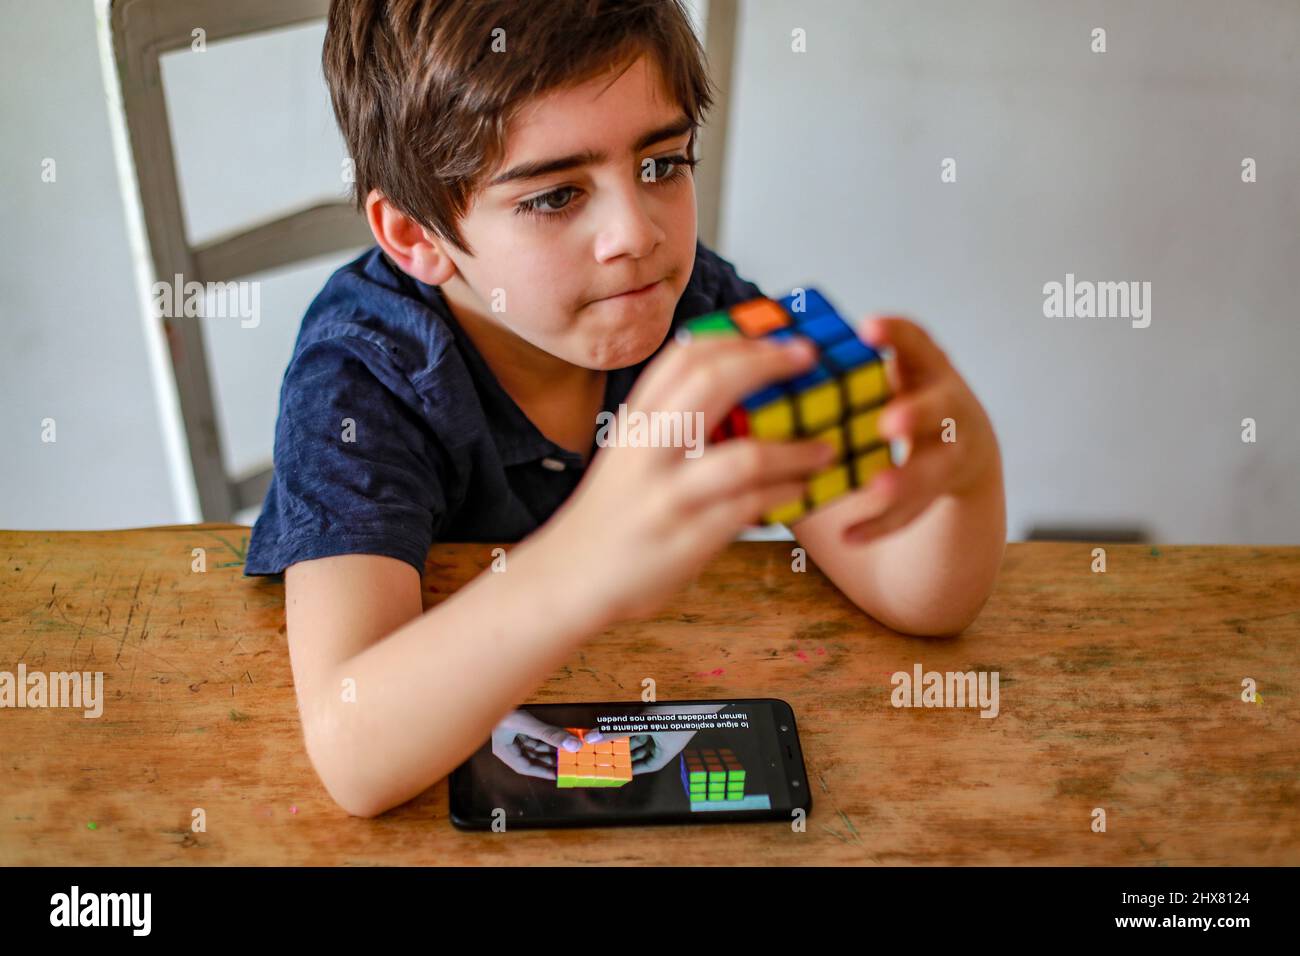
{"points": [[543, 167]]}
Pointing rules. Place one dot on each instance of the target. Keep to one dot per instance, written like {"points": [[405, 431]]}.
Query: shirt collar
{"points": [[518, 440]]}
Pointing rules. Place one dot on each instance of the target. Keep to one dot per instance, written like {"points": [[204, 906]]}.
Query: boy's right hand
{"points": [[644, 521]]}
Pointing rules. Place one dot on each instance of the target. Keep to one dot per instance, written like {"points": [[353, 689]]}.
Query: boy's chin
{"points": [[622, 352]]}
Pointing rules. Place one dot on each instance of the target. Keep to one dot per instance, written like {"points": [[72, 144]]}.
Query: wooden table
{"points": [[1119, 690]]}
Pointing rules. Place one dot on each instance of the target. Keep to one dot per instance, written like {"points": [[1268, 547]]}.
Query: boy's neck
{"points": [[560, 398]]}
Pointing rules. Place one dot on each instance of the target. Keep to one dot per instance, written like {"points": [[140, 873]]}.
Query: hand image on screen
{"points": [[527, 745]]}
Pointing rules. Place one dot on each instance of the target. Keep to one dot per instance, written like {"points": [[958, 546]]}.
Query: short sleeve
{"points": [[358, 469]]}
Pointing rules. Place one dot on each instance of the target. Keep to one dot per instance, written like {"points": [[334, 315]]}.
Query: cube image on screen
{"points": [[709, 774], [604, 764], [837, 401]]}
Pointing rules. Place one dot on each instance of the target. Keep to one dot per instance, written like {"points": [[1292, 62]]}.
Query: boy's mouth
{"points": [[633, 294]]}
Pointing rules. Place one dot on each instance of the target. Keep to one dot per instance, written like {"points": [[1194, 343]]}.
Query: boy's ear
{"points": [[407, 243]]}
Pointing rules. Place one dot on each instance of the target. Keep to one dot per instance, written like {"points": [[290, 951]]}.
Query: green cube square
{"points": [[715, 323]]}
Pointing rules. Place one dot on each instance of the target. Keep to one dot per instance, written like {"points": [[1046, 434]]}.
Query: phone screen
{"points": [[667, 762]]}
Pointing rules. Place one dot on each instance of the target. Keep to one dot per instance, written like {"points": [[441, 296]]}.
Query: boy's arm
{"points": [[932, 576], [426, 689], [921, 548]]}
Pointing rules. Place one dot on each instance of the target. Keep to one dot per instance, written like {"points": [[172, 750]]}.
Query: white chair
{"points": [[134, 34]]}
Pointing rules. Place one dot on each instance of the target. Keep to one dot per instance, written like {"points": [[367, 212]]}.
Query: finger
{"points": [[715, 374], [899, 495], [735, 466], [896, 518], [917, 358], [532, 746], [557, 737], [671, 363], [542, 759], [725, 518], [520, 764], [920, 415], [528, 770]]}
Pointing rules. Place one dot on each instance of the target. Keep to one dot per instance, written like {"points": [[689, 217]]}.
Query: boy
{"points": [[525, 168]]}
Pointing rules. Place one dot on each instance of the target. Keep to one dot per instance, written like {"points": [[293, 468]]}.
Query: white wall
{"points": [[71, 345], [1116, 166], [254, 137]]}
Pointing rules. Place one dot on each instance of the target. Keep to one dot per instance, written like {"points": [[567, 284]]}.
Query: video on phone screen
{"points": [[547, 761]]}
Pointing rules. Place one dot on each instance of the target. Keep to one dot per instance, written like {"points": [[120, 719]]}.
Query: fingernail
{"points": [[594, 737], [572, 744]]}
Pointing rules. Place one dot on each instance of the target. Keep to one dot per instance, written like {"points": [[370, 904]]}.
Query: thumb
{"points": [[557, 737]]}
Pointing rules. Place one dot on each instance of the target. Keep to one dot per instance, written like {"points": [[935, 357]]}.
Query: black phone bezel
{"points": [[790, 751]]}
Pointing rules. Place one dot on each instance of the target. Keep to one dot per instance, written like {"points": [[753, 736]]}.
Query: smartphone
{"points": [[614, 764]]}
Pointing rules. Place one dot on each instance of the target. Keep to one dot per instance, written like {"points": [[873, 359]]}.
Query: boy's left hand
{"points": [[926, 391]]}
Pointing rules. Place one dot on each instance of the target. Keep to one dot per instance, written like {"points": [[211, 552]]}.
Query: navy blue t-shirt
{"points": [[437, 449]]}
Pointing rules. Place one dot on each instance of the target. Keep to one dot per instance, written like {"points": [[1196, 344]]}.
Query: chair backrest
{"points": [[134, 34]]}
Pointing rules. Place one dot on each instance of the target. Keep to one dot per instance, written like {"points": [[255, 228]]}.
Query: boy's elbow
{"points": [[340, 774], [932, 627], [357, 803], [941, 628], [947, 621]]}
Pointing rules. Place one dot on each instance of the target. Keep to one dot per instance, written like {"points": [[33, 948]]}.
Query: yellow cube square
{"points": [[871, 464], [773, 421], [864, 429], [819, 407], [827, 485], [866, 385]]}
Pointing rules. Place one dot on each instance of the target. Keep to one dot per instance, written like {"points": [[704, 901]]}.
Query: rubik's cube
{"points": [[838, 401], [709, 774], [604, 764]]}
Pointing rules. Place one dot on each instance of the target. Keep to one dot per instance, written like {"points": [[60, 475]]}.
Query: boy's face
{"points": [[554, 252]]}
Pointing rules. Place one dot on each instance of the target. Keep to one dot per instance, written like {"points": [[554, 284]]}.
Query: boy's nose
{"points": [[627, 228]]}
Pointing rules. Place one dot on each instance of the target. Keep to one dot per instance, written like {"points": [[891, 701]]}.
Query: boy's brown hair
{"points": [[424, 93]]}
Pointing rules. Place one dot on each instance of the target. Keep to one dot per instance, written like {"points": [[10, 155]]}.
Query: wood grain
{"points": [[1119, 690]]}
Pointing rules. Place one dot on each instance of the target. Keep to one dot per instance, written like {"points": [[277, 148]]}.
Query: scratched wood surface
{"points": [[1119, 690]]}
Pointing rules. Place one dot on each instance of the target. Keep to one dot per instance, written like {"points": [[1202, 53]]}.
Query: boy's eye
{"points": [[558, 203], [547, 204], [679, 165]]}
